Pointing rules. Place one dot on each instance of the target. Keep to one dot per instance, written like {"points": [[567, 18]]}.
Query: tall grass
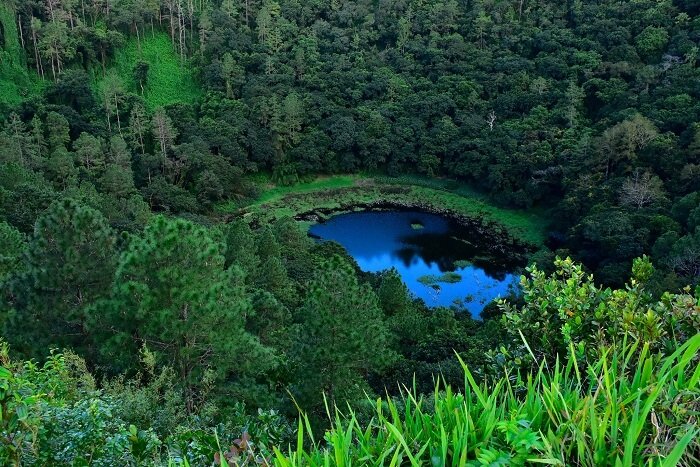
{"points": [[628, 408]]}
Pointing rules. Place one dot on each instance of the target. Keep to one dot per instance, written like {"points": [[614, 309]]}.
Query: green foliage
{"points": [[601, 412], [343, 337], [173, 295], [12, 245], [567, 310], [240, 247], [167, 79], [573, 124], [652, 40], [604, 406], [70, 262], [16, 82]]}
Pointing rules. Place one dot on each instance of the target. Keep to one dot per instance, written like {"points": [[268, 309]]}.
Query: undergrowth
{"points": [[16, 82], [169, 80], [615, 411]]}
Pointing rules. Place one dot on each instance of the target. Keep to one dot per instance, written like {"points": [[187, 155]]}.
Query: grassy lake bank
{"points": [[342, 193]]}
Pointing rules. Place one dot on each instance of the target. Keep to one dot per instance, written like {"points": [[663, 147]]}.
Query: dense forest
{"points": [[154, 311]]}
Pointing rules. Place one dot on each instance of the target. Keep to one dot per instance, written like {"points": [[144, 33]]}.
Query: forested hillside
{"points": [[161, 299]]}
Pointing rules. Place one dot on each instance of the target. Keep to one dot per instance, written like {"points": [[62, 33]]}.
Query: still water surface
{"points": [[419, 245]]}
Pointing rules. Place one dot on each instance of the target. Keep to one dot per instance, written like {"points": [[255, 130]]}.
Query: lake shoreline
{"points": [[502, 240], [307, 203], [442, 263]]}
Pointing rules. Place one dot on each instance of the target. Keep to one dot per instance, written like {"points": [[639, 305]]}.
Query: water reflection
{"points": [[419, 245]]}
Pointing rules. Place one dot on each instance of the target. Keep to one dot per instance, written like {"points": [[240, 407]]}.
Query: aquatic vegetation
{"points": [[446, 278]]}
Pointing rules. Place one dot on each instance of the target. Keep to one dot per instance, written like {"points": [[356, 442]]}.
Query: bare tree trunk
{"points": [[181, 30], [109, 121], [58, 63], [191, 19], [138, 37], [172, 26], [116, 108], [36, 53], [49, 5], [53, 68], [21, 33]]}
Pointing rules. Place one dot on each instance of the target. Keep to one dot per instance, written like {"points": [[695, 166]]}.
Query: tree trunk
{"points": [[53, 68], [107, 112], [21, 33], [138, 38], [172, 25], [116, 109], [36, 53], [181, 30]]}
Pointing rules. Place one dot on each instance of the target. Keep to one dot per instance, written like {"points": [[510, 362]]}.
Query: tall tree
{"points": [[173, 294], [139, 127], [343, 336], [12, 247], [240, 247], [69, 264], [89, 154], [164, 133]]}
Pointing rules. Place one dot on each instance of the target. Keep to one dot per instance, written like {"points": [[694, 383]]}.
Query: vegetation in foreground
{"points": [[607, 412], [586, 376]]}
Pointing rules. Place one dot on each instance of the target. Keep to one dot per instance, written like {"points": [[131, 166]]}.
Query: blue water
{"points": [[387, 239]]}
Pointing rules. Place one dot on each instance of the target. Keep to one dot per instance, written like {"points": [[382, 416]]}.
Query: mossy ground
{"points": [[169, 80], [334, 192]]}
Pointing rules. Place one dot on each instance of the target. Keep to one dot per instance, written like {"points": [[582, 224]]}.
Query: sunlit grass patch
{"points": [[347, 191], [169, 80]]}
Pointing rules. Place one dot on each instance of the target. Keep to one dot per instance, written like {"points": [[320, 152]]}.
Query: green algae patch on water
{"points": [[446, 278]]}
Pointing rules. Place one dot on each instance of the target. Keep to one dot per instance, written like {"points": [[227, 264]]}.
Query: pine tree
{"points": [[240, 247], [394, 296], [36, 146], [267, 245], [173, 295], [70, 263], [118, 178], [164, 134], [139, 126], [59, 131], [12, 246], [15, 141], [343, 337], [89, 155]]}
